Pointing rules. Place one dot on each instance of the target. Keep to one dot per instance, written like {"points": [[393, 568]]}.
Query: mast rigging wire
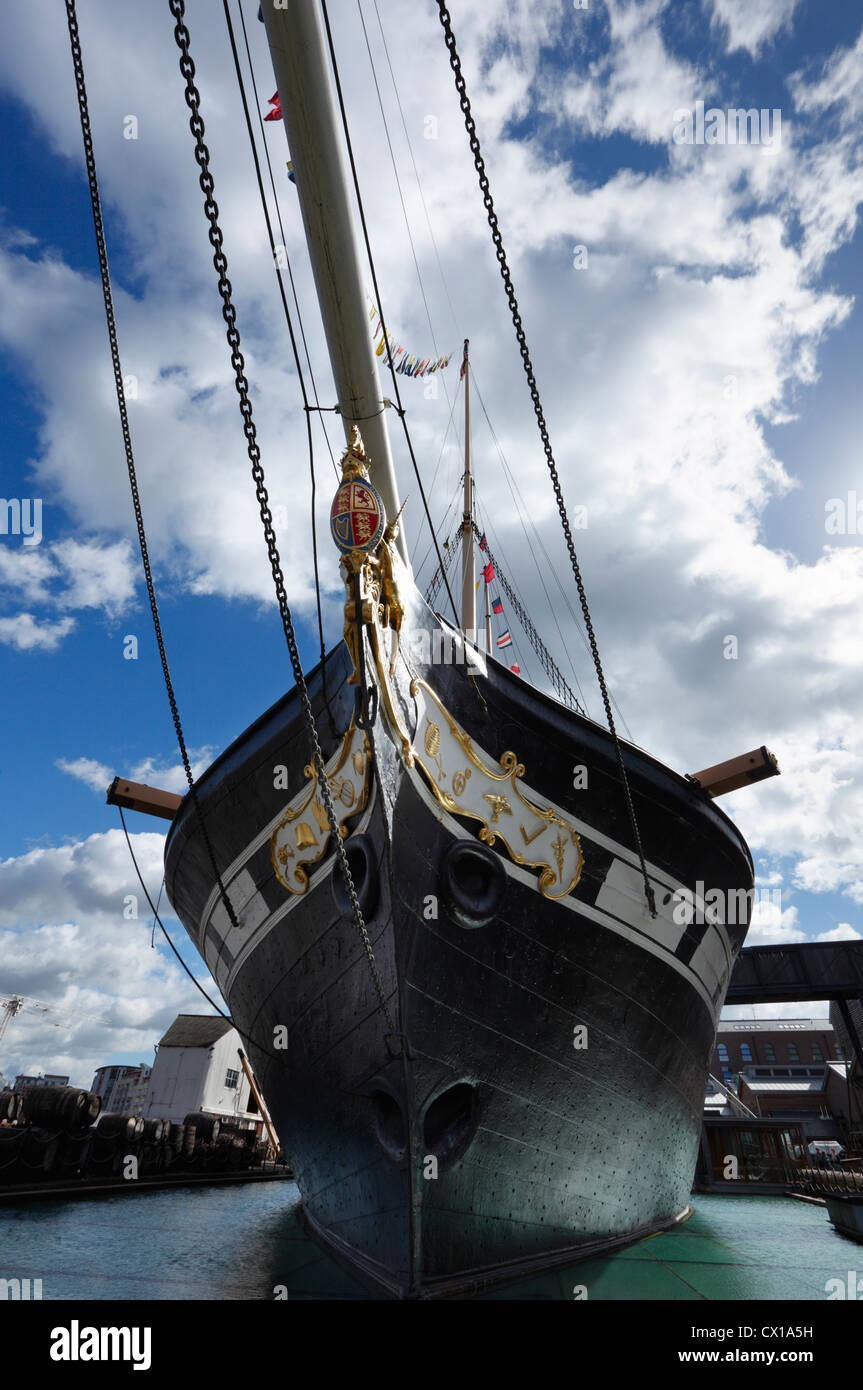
{"points": [[488, 201], [399, 187], [522, 511], [386, 126], [452, 311], [415, 169], [547, 661], [229, 313], [321, 409], [294, 347], [378, 299], [198, 986]]}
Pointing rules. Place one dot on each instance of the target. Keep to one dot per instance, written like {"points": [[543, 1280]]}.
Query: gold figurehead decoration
{"points": [[359, 527], [464, 781]]}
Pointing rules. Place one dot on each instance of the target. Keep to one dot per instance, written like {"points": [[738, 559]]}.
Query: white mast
{"points": [[313, 126]]}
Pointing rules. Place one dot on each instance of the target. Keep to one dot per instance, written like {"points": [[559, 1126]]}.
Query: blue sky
{"points": [[705, 518]]}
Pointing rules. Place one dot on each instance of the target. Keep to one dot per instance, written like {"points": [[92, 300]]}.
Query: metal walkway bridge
{"points": [[813, 970]]}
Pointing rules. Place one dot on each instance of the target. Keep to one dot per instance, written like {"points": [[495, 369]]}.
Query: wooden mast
{"points": [[468, 570]]}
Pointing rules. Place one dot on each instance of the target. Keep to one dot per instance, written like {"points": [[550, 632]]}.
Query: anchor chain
{"points": [[229, 313], [479, 164]]}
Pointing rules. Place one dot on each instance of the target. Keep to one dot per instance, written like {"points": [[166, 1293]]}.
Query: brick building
{"points": [[774, 1043]]}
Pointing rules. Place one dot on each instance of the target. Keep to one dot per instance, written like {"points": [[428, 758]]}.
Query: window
{"points": [[817, 1054], [769, 1052], [746, 1052], [793, 1053], [722, 1049], [231, 1080]]}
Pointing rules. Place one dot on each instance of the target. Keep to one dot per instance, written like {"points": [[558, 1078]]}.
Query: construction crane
{"points": [[10, 1008], [17, 1003]]}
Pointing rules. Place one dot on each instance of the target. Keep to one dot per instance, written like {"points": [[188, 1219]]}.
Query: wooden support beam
{"points": [[137, 796], [737, 772], [259, 1099]]}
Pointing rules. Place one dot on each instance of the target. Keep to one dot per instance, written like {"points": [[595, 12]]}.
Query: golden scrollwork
{"points": [[309, 820], [564, 852]]}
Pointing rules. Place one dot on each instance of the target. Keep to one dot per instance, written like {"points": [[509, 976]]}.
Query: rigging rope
{"points": [[196, 983], [437, 578], [229, 313], [399, 187], [294, 347], [547, 661], [414, 163], [522, 512], [284, 242], [378, 299], [488, 201]]}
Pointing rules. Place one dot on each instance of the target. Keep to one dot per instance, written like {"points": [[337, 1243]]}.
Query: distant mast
{"points": [[300, 61], [468, 569]]}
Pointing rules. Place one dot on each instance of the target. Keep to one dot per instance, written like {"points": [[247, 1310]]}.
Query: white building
{"points": [[122, 1089], [197, 1068]]}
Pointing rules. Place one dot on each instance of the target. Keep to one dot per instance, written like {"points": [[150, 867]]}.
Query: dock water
{"points": [[247, 1243]]}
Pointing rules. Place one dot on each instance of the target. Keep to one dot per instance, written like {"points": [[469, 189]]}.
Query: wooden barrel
{"points": [[207, 1126], [113, 1126], [61, 1107], [152, 1131], [176, 1136]]}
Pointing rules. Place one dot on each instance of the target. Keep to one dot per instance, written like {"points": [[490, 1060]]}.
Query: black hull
{"points": [[480, 1140]]}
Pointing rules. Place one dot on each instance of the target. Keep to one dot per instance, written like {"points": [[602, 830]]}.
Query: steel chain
{"points": [[479, 164], [95, 201], [229, 313]]}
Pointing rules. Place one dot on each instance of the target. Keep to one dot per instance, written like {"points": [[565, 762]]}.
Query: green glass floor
{"points": [[736, 1248]]}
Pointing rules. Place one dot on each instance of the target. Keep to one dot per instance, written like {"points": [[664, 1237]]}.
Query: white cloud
{"points": [[25, 634], [839, 84], [153, 772], [65, 940], [67, 575], [752, 25], [636, 86], [770, 925], [98, 776], [98, 576], [27, 572], [843, 932]]}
